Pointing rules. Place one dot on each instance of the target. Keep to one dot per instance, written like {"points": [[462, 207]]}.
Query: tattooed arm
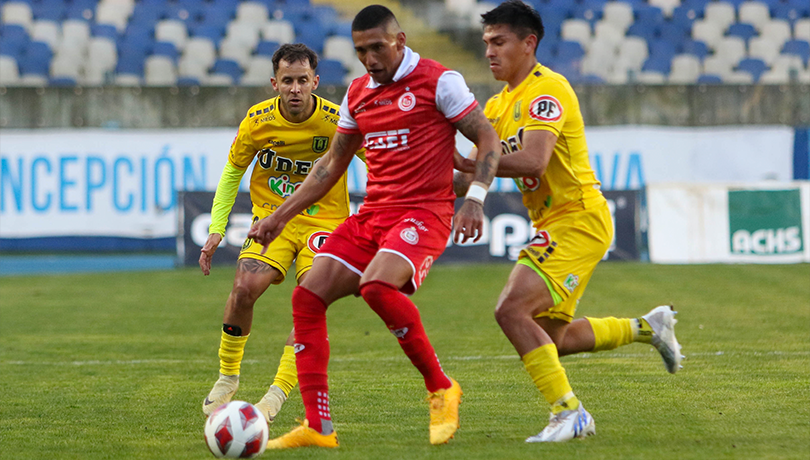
{"points": [[469, 220], [324, 176]]}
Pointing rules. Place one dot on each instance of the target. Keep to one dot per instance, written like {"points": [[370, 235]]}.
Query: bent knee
{"points": [[243, 296]]}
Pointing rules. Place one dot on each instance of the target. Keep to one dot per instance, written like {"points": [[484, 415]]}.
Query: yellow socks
{"points": [[610, 333], [231, 350], [287, 375], [543, 365]]}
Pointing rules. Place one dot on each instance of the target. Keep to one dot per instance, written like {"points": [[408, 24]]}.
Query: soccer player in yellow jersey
{"points": [[538, 120], [286, 135]]}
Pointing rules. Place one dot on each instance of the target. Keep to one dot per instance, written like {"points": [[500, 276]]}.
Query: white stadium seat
{"points": [[340, 48], [667, 6], [731, 49], [788, 63], [651, 78], [127, 80], [607, 32], [202, 50], [259, 72], [172, 31], [707, 32], [101, 51], [66, 66], [218, 79], [252, 13], [765, 48], [245, 33], [159, 71], [685, 69], [18, 13], [754, 13], [775, 77], [460, 7], [235, 50], [738, 78], [356, 70], [75, 34], [578, 30], [633, 50], [9, 72], [720, 13], [32, 80], [279, 30], [46, 31], [109, 13], [716, 65], [777, 29], [801, 29], [619, 14]]}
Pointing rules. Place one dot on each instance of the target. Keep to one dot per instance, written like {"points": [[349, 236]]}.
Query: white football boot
{"points": [[271, 403], [662, 321], [566, 426], [221, 394]]}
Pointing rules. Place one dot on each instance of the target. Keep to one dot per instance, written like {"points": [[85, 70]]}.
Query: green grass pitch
{"points": [[109, 366]]}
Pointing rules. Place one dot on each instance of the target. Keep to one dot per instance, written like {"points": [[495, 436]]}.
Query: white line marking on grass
{"points": [[135, 362]]}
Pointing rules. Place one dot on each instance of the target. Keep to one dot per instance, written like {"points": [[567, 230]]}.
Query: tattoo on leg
{"points": [[252, 266]]}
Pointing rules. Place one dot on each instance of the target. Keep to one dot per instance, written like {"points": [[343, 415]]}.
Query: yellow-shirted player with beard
{"points": [[538, 119], [286, 135]]}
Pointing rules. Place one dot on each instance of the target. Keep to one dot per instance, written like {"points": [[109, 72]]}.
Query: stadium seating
{"points": [[92, 42]]}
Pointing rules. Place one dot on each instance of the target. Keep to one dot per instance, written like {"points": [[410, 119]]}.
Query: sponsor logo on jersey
{"points": [[383, 102], [399, 333], [282, 186], [316, 240], [298, 347], [387, 139], [407, 102], [419, 224], [571, 282], [541, 239], [319, 144], [409, 235], [546, 108]]}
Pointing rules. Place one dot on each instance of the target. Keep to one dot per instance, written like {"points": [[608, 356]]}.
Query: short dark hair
{"points": [[295, 52], [372, 16], [520, 17]]}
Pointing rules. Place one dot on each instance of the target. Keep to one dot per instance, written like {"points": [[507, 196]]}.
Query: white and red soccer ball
{"points": [[236, 430]]}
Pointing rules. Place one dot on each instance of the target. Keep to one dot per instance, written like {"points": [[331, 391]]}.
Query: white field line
{"points": [[135, 362]]}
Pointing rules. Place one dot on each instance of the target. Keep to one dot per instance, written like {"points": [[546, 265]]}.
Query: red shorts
{"points": [[417, 235]]}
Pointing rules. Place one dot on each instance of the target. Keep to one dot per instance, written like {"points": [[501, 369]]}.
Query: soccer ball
{"points": [[236, 430]]}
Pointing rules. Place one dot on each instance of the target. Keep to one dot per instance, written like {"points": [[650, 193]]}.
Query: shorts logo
{"points": [[409, 235], [541, 239], [571, 282], [407, 102], [424, 269], [299, 347], [316, 240], [546, 108], [399, 333]]}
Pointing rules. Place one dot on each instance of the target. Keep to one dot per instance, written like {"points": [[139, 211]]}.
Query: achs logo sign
{"points": [[546, 108], [765, 222], [407, 102]]}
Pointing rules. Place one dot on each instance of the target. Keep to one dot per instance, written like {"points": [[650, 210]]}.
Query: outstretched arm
{"points": [[324, 176], [531, 161], [469, 220]]}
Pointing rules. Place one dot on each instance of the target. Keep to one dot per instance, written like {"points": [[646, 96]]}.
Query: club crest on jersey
{"points": [[541, 239], [319, 144], [546, 108], [316, 240], [407, 102], [409, 235]]}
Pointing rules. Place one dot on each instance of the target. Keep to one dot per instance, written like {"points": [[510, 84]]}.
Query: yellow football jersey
{"points": [[546, 101], [286, 153]]}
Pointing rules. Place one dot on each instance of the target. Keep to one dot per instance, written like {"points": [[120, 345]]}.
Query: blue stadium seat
{"points": [[36, 59], [684, 16], [545, 53], [802, 5], [186, 12], [227, 67], [62, 81], [663, 49], [342, 28], [136, 41], [81, 9], [787, 12], [568, 50], [311, 34], [212, 32], [588, 79], [590, 11], [660, 64], [130, 64], [331, 72], [696, 48], [709, 79], [218, 13], [50, 10], [673, 32], [756, 67], [735, 3], [742, 30], [648, 15], [146, 15], [13, 40], [325, 14], [104, 30], [266, 48], [165, 49], [563, 7], [643, 30], [187, 81], [800, 48]]}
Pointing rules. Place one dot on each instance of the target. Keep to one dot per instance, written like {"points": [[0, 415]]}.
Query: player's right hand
{"points": [[207, 252], [266, 230]]}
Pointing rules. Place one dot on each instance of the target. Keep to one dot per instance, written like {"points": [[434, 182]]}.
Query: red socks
{"points": [[312, 357], [402, 318]]}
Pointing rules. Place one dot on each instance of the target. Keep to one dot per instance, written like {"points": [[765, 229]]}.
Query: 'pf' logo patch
{"points": [[407, 102], [409, 235], [316, 241], [546, 108], [541, 239]]}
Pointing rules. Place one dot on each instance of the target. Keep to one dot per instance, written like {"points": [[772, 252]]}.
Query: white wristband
{"points": [[476, 193]]}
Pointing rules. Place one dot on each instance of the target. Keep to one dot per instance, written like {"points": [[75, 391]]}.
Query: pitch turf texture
{"points": [[115, 366]]}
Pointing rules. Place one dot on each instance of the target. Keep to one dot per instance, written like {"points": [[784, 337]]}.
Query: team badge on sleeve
{"points": [[546, 108]]}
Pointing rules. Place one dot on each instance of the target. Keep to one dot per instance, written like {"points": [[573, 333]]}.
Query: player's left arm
{"points": [[532, 160]]}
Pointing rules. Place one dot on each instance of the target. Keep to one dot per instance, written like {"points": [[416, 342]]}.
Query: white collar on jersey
{"points": [[409, 61]]}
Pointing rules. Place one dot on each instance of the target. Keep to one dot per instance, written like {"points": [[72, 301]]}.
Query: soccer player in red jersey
{"points": [[405, 112]]}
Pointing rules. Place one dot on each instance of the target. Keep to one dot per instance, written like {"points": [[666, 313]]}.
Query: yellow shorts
{"points": [[565, 251], [300, 241]]}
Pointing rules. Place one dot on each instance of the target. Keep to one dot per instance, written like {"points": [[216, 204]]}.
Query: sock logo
{"points": [[299, 347], [399, 333]]}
